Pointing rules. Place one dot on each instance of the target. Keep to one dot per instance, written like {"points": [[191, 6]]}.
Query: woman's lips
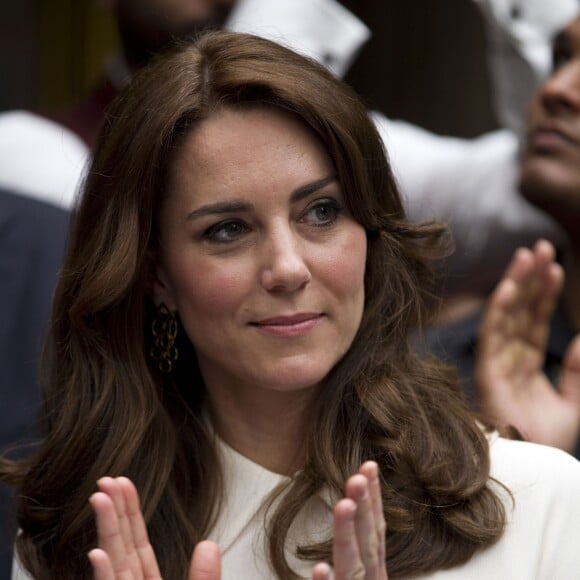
{"points": [[289, 326]]}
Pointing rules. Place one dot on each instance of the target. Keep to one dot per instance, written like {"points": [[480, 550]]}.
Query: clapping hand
{"points": [[124, 551], [359, 531], [513, 389]]}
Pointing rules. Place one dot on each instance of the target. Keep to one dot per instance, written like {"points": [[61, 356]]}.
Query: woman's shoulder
{"points": [[540, 488], [523, 465]]}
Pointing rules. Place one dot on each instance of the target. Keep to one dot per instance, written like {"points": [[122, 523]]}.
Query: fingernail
{"points": [[351, 508]]}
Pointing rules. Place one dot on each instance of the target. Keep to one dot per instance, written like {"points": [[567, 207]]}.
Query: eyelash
{"points": [[216, 233], [329, 203], [213, 233]]}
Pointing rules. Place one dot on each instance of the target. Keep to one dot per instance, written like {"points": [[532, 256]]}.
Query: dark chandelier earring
{"points": [[164, 329]]}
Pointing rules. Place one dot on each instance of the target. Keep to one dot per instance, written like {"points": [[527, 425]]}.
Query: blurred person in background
{"points": [[41, 165], [529, 341], [146, 27]]}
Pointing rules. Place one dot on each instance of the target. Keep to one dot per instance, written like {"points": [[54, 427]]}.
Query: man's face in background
{"points": [[147, 26], [550, 170]]}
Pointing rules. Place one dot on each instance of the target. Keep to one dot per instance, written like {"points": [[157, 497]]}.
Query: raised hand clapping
{"points": [[124, 551], [511, 350]]}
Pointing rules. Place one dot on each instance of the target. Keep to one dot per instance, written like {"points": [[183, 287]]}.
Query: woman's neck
{"points": [[268, 427]]}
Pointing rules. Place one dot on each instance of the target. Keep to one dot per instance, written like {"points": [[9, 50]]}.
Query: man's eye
{"points": [[559, 58], [323, 213], [561, 51], [224, 232]]}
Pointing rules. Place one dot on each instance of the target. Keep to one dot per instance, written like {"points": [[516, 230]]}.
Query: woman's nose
{"points": [[561, 92], [285, 268]]}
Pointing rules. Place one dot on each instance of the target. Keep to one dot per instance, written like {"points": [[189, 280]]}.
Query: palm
{"points": [[511, 350], [124, 551]]}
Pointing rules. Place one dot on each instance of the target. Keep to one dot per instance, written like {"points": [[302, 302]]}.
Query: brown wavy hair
{"points": [[107, 409]]}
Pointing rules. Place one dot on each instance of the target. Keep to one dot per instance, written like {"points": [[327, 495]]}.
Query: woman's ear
{"points": [[161, 289]]}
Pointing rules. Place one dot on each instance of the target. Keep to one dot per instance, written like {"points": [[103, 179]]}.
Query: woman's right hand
{"points": [[124, 551]]}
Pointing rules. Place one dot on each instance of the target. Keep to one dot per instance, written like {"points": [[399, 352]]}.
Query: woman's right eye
{"points": [[226, 231]]}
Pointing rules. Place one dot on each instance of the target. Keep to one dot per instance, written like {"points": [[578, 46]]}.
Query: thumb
{"points": [[206, 562], [570, 374]]}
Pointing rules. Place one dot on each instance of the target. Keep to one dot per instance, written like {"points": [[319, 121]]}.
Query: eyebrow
{"points": [[236, 206]]}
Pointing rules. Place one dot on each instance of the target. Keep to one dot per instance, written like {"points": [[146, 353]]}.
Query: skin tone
{"points": [[513, 337], [550, 176], [513, 389], [255, 206], [125, 553]]}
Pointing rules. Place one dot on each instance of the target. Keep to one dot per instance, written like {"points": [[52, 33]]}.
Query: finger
{"points": [[545, 266], [109, 534], [546, 273], [357, 489], [206, 562], [570, 374], [522, 305], [140, 538], [544, 253], [552, 284], [112, 488], [321, 571], [544, 305], [495, 332], [345, 552], [371, 471], [101, 564], [521, 265], [527, 270], [501, 310]]}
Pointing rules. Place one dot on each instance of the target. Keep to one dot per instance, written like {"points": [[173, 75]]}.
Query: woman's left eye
{"points": [[323, 213]]}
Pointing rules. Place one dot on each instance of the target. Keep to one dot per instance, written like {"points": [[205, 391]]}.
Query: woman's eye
{"points": [[224, 232], [323, 213]]}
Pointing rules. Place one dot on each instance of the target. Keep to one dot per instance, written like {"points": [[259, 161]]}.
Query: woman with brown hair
{"points": [[231, 334]]}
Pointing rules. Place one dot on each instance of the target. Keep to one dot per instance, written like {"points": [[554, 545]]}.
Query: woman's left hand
{"points": [[359, 531]]}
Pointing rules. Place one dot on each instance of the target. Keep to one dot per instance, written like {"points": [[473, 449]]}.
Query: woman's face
{"points": [[259, 255]]}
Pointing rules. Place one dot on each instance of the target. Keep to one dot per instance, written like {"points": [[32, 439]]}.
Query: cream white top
{"points": [[541, 542]]}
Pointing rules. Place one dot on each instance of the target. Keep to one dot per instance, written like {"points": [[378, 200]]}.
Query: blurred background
{"points": [[425, 62]]}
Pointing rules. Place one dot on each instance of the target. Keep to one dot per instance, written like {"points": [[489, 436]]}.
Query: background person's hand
{"points": [[511, 349], [124, 551], [359, 531]]}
